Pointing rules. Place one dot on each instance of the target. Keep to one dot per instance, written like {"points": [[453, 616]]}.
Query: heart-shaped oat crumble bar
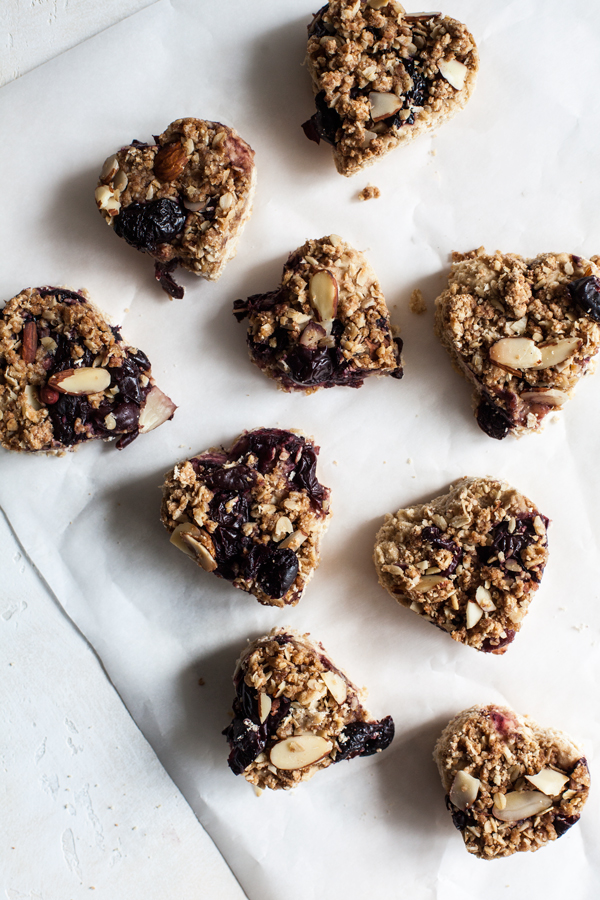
{"points": [[67, 376], [382, 76], [510, 784], [296, 713], [468, 561], [253, 514], [327, 324], [184, 199], [523, 331]]}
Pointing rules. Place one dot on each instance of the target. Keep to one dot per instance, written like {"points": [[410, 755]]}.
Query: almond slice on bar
{"points": [[299, 751], [464, 790], [474, 613], [80, 381], [521, 805], [550, 397], [323, 294], [557, 352], [454, 72], [384, 105], [157, 408], [516, 352], [264, 706], [548, 781], [336, 686]]}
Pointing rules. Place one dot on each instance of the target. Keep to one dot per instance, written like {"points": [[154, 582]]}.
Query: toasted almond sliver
{"points": [[299, 751], [428, 582], [548, 781], [383, 105], [264, 706], [522, 805], [516, 352], [323, 294], [551, 397], [336, 685], [474, 613], [454, 72], [557, 352], [464, 790], [86, 380]]}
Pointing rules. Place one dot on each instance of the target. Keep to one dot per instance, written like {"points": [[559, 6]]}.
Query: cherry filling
{"points": [[73, 416], [246, 734], [238, 554], [433, 536]]}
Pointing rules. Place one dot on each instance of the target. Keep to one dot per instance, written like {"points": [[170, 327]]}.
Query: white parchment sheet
{"points": [[518, 171]]}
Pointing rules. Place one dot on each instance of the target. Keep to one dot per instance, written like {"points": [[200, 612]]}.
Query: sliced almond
{"points": [[294, 541], [557, 352], [377, 4], [31, 397], [201, 554], [300, 751], [184, 528], [428, 582], [454, 72], [550, 397], [121, 181], [421, 16], [323, 294], [110, 422], [548, 781], [516, 352], [464, 790], [484, 599], [312, 334], [522, 805], [110, 168], [474, 613], [48, 344], [264, 706], [367, 138], [283, 526], [86, 380], [157, 408], [105, 199], [336, 685], [383, 105]]}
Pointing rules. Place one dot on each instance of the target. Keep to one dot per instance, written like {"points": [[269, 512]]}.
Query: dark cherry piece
{"points": [[145, 225], [585, 293], [495, 421], [366, 738]]}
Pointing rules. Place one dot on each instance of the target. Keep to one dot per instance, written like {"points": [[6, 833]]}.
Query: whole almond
{"points": [[30, 342], [170, 161]]}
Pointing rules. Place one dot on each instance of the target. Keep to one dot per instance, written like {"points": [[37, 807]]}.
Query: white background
{"points": [[515, 171]]}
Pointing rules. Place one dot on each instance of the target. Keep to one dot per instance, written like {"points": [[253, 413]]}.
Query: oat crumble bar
{"points": [[327, 324], [510, 784], [382, 76], [523, 331], [67, 376], [468, 561], [184, 199], [295, 713], [253, 514]]}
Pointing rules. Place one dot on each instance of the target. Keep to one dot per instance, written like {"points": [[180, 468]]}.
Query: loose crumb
{"points": [[370, 192], [417, 303]]}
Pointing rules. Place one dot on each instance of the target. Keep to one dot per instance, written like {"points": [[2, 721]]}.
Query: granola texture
{"points": [[184, 200], [468, 561], [66, 376], [521, 331], [296, 713], [253, 514], [382, 76], [500, 749], [327, 324]]}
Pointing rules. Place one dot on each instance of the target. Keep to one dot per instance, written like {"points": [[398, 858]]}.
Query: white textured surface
{"points": [[34, 31], [86, 805]]}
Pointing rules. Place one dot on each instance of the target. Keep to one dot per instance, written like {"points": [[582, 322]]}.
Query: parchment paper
{"points": [[517, 170]]}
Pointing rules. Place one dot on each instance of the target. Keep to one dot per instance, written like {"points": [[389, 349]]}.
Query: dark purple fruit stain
{"points": [[163, 272], [495, 421], [563, 823], [237, 554], [365, 738], [433, 536], [324, 124], [145, 225], [511, 544], [492, 646], [460, 819], [246, 735], [585, 294]]}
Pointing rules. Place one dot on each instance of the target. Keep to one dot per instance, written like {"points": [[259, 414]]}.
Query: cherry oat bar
{"points": [[184, 199], [510, 784], [382, 76], [468, 561], [253, 514], [67, 376], [295, 713], [523, 331], [327, 324]]}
